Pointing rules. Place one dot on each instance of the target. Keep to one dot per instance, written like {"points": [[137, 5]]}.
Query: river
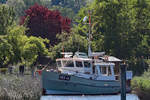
{"points": [[95, 97]]}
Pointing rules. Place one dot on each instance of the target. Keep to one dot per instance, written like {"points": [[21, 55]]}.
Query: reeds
{"points": [[19, 88]]}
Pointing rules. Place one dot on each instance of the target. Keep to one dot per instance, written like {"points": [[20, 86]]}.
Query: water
{"points": [[97, 97]]}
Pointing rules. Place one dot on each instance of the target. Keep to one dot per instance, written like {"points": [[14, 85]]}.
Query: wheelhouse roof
{"points": [[78, 59], [111, 58]]}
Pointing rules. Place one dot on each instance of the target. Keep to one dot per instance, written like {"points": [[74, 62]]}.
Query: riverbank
{"points": [[25, 87]]}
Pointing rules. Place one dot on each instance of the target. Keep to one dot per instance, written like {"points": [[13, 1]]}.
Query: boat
{"points": [[80, 74]]}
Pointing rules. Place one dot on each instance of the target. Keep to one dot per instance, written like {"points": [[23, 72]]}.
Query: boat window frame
{"points": [[88, 62], [68, 66], [108, 72], [81, 63]]}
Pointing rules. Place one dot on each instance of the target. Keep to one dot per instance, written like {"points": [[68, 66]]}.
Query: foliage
{"points": [[66, 12], [5, 52], [68, 8], [141, 83], [16, 47], [71, 43], [25, 48], [33, 48], [75, 5], [6, 18], [45, 23], [19, 6], [141, 86], [16, 37], [146, 74], [138, 65]]}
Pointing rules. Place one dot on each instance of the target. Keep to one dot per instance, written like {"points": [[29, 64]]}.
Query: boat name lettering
{"points": [[64, 77]]}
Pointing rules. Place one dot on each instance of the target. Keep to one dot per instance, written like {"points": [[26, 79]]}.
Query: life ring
{"points": [[106, 58]]}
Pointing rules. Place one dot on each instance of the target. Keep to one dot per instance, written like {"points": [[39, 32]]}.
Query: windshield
{"points": [[79, 64], [68, 63], [87, 64]]}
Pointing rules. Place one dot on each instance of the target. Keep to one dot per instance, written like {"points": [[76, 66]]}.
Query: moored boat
{"points": [[80, 74]]}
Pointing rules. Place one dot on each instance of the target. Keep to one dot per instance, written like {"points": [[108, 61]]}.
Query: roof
{"points": [[98, 53], [111, 58], [83, 59]]}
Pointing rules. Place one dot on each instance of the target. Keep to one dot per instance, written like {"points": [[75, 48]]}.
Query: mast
{"points": [[89, 35]]}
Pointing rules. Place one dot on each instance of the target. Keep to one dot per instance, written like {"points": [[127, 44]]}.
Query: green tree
{"points": [[21, 5], [33, 48], [18, 5], [6, 52], [66, 12], [7, 16], [26, 49], [142, 25]]}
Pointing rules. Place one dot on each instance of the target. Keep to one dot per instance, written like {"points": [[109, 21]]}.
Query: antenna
{"points": [[89, 35]]}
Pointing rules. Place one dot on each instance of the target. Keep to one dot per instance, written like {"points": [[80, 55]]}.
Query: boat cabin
{"points": [[74, 65], [82, 66], [104, 71]]}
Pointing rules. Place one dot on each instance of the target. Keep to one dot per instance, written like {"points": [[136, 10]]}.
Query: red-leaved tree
{"points": [[45, 23]]}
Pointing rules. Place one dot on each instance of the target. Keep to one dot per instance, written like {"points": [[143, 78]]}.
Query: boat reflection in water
{"points": [[95, 97]]}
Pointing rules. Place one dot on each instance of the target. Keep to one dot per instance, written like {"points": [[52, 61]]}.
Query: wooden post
{"points": [[123, 81]]}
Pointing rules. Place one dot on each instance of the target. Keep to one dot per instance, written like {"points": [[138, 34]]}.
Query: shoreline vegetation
{"points": [[141, 86], [14, 87]]}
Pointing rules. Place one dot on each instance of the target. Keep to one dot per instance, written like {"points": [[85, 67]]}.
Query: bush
{"points": [[141, 86]]}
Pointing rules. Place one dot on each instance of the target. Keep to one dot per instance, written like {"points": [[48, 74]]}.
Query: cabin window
{"points": [[109, 71], [103, 70], [106, 70], [58, 63], [79, 64], [87, 64], [68, 63]]}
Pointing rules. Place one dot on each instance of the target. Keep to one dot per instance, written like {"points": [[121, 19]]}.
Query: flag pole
{"points": [[89, 36]]}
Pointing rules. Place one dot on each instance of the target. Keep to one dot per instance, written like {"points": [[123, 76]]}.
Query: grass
{"points": [[19, 88]]}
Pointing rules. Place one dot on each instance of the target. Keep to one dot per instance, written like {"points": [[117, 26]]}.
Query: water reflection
{"points": [[97, 97]]}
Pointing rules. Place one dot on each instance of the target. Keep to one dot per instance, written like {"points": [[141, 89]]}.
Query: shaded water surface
{"points": [[97, 97]]}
